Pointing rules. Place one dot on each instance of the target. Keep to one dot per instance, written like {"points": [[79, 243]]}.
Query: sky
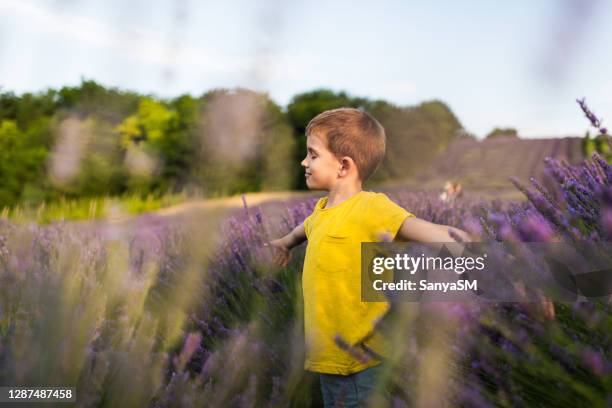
{"points": [[518, 64]]}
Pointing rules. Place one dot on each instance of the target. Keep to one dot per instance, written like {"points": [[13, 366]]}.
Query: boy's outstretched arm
{"points": [[282, 246], [417, 229]]}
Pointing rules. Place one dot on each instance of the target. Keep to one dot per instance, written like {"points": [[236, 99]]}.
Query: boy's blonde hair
{"points": [[354, 133]]}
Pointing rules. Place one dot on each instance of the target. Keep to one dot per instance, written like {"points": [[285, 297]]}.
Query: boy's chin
{"points": [[314, 187]]}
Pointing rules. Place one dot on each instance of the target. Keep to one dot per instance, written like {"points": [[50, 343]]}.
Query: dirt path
{"points": [[186, 209], [232, 202]]}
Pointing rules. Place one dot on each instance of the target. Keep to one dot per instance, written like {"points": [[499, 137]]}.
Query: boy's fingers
{"points": [[281, 260]]}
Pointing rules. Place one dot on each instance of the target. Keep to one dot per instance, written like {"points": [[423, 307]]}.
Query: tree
{"points": [[20, 164], [92, 99], [502, 132], [246, 143], [151, 132], [415, 135]]}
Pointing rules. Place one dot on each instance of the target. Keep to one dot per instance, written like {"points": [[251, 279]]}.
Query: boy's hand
{"points": [[281, 252]]}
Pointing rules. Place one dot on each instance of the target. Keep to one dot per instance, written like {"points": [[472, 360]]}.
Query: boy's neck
{"points": [[341, 193]]}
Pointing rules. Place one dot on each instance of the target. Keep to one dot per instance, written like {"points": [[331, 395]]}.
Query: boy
{"points": [[344, 148]]}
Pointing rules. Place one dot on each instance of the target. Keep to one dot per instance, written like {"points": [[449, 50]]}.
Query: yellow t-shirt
{"points": [[331, 281]]}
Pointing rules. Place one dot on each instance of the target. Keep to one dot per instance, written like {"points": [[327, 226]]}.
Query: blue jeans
{"points": [[349, 390]]}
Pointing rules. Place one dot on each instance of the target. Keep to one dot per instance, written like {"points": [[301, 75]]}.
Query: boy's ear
{"points": [[346, 163], [343, 165]]}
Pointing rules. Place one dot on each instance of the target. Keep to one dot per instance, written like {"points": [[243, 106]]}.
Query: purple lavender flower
{"points": [[595, 122], [593, 360]]}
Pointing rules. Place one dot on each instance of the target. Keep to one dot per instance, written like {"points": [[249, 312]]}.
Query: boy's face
{"points": [[321, 165]]}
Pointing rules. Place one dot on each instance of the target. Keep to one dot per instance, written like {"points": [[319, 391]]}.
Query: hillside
{"points": [[484, 166]]}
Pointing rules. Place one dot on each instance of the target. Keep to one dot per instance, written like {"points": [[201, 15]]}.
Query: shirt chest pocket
{"points": [[335, 252]]}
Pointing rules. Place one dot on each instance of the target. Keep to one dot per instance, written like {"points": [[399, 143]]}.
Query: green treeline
{"points": [[91, 140]]}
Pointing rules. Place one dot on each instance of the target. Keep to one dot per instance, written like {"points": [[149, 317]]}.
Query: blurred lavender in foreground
{"points": [[595, 122], [135, 318]]}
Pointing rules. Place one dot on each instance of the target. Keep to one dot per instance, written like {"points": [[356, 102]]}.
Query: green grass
{"points": [[89, 208]]}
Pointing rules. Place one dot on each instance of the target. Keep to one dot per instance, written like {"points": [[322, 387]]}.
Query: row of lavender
{"points": [[166, 315]]}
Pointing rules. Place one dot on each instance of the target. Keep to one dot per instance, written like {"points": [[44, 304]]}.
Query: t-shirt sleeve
{"points": [[308, 220], [386, 217], [306, 223]]}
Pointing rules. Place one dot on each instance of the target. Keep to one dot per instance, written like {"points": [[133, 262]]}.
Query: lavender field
{"points": [[190, 312]]}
